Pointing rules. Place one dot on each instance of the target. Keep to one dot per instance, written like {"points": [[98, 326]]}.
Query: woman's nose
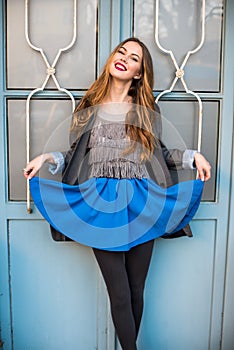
{"points": [[124, 59]]}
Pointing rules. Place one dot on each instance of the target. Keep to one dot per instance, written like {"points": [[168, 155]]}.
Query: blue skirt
{"points": [[116, 214]]}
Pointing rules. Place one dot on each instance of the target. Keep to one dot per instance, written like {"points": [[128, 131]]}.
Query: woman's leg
{"points": [[124, 275], [137, 261], [112, 265]]}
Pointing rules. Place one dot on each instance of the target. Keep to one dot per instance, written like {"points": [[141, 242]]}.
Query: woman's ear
{"points": [[137, 76]]}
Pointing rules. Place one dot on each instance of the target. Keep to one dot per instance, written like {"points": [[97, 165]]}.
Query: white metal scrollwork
{"points": [[50, 72], [179, 74]]}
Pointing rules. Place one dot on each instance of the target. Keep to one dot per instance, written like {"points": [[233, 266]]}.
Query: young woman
{"points": [[117, 149]]}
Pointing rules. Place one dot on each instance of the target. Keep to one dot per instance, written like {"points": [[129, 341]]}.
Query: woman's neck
{"points": [[118, 93]]}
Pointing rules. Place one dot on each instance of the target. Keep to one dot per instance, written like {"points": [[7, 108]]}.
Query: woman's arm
{"points": [[176, 158], [188, 159], [35, 165], [57, 162]]}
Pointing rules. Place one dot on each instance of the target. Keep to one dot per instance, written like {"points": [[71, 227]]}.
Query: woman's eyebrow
{"points": [[122, 47], [133, 53]]}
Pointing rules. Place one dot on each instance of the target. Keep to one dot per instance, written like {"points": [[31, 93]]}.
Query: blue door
{"points": [[52, 295]]}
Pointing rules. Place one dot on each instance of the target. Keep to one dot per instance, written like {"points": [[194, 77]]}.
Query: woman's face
{"points": [[126, 62]]}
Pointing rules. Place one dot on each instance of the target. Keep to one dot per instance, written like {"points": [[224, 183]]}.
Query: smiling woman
{"points": [[117, 188], [189, 289], [127, 59]]}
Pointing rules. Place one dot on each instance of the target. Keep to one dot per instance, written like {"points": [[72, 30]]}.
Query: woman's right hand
{"points": [[35, 165]]}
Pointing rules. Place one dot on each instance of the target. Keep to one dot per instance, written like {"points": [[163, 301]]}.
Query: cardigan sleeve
{"points": [[61, 159], [174, 158]]}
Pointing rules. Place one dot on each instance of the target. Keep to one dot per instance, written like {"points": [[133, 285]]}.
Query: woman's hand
{"points": [[203, 167], [35, 165]]}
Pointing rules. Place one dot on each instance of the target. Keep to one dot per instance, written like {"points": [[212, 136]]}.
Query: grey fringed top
{"points": [[108, 140]]}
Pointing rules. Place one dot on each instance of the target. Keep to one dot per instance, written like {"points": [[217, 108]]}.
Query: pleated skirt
{"points": [[116, 214]]}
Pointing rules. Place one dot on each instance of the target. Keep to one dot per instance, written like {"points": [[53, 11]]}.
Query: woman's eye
{"points": [[121, 51]]}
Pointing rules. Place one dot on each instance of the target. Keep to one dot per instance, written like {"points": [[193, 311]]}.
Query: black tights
{"points": [[124, 274]]}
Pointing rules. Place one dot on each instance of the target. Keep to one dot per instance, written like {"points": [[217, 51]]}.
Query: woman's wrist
{"points": [[48, 158]]}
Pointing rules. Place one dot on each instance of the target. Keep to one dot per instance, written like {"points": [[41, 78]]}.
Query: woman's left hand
{"points": [[203, 167]]}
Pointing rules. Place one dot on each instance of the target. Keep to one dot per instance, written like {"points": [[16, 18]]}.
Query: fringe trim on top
{"points": [[104, 153], [107, 143], [118, 169]]}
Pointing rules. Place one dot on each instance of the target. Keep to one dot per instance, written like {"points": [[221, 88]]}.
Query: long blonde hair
{"points": [[142, 95]]}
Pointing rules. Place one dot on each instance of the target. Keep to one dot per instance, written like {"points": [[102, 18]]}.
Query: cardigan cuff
{"points": [[58, 167], [188, 159]]}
